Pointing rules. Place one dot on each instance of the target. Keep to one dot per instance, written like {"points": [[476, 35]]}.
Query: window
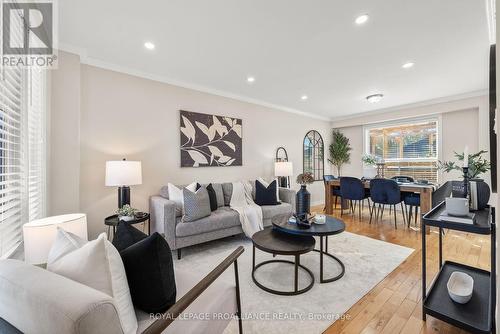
{"points": [[408, 149], [313, 155], [22, 152]]}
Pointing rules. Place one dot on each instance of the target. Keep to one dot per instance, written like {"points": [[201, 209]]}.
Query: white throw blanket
{"points": [[250, 213]]}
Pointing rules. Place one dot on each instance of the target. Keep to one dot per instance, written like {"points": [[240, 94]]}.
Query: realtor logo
{"points": [[28, 34]]}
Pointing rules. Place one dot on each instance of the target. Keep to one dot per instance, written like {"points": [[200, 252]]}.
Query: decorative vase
{"points": [[482, 192], [369, 172], [303, 201]]}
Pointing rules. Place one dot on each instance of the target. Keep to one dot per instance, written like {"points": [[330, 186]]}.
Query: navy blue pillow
{"points": [[150, 271], [265, 195], [126, 235]]}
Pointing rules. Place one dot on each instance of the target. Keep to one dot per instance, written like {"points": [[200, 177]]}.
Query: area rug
{"points": [[367, 262]]}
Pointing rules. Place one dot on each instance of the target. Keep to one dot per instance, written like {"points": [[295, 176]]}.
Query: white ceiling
{"points": [[292, 47]]}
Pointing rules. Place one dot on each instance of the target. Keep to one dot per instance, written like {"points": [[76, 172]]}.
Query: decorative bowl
{"points": [[460, 287], [457, 206], [126, 218]]}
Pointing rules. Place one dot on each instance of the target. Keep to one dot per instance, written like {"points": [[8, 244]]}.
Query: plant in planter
{"points": [[477, 166], [303, 198], [340, 150], [126, 213], [370, 165]]}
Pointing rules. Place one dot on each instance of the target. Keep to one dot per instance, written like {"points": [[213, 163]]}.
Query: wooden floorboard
{"points": [[394, 305]]}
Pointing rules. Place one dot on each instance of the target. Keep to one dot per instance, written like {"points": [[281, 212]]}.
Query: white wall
{"points": [[126, 116]]}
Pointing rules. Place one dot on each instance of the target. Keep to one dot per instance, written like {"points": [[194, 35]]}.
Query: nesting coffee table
{"points": [[275, 242], [331, 226]]}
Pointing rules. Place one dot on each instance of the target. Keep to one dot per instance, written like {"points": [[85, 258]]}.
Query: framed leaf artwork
{"points": [[210, 140]]}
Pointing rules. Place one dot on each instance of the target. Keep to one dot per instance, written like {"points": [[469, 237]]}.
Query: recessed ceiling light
{"points": [[374, 98], [304, 97], [149, 46], [361, 19], [409, 64], [250, 79]]}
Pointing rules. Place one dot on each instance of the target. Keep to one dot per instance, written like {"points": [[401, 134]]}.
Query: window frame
{"points": [[322, 151], [407, 121]]}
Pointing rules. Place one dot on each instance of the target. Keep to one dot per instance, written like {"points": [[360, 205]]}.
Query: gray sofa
{"points": [[221, 223]]}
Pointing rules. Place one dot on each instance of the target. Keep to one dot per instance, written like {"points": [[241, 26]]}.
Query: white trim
{"points": [[84, 59], [440, 100]]}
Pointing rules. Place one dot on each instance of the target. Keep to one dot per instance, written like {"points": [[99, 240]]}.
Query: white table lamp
{"points": [[283, 170], [39, 235], [122, 174]]}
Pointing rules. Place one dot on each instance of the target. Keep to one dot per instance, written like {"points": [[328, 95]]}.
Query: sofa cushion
{"points": [[196, 204], [218, 299], [270, 211], [150, 273], [265, 194], [219, 193], [212, 195], [227, 189], [126, 235], [98, 265], [64, 243], [221, 218]]}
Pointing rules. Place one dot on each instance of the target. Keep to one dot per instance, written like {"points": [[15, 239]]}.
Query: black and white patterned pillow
{"points": [[196, 204]]}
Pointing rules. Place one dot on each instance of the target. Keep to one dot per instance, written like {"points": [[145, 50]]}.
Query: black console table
{"points": [[478, 315]]}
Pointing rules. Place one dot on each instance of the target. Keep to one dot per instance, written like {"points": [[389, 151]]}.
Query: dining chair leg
{"points": [[371, 212], [370, 205], [359, 208], [354, 208], [390, 209], [382, 214], [395, 224], [336, 197], [410, 214], [404, 215], [416, 215]]}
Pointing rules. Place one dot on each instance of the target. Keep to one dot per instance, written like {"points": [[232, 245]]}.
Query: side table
{"points": [[113, 221]]}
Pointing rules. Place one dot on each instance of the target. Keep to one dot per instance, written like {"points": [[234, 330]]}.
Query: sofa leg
{"points": [[179, 254]]}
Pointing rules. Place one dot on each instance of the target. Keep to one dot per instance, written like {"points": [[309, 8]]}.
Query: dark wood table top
{"points": [[330, 227], [272, 241]]}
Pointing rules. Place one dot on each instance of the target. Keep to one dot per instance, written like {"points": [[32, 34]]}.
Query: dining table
{"points": [[424, 189]]}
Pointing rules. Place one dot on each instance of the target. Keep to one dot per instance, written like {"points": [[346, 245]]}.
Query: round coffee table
{"points": [[332, 226], [274, 242]]}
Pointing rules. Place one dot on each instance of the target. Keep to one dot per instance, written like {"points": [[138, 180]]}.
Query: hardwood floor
{"points": [[394, 305]]}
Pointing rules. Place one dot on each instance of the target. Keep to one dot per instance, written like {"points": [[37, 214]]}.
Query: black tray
{"points": [[482, 223], [474, 316]]}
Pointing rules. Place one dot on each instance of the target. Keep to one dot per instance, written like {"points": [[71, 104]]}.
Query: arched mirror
{"points": [[314, 155]]}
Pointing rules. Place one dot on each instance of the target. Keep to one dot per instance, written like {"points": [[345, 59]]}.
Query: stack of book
{"points": [[468, 219]]}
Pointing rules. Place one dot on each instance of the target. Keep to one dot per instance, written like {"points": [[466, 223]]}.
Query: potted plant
{"points": [[126, 213], [303, 198], [477, 166], [370, 166], [340, 150]]}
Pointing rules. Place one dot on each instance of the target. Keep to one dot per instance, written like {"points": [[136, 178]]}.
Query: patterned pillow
{"points": [[196, 204]]}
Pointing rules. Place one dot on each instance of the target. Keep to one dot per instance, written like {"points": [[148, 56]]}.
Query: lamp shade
{"points": [[283, 168], [123, 173], [39, 235]]}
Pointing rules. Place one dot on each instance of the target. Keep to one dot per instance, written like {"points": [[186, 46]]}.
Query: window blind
{"points": [[22, 151], [407, 149]]}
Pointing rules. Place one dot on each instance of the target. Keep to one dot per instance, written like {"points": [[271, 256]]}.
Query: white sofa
{"points": [[34, 300]]}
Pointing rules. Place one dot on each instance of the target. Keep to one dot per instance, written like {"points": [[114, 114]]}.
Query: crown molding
{"points": [[440, 100], [85, 59]]}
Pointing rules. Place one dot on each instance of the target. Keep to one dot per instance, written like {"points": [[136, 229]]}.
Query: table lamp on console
{"points": [[123, 174]]}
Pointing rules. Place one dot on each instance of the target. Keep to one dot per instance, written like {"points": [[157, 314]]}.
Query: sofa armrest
{"points": [[176, 310], [288, 196], [35, 300], [163, 218]]}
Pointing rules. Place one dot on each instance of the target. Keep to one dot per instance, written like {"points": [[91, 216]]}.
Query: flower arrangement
{"points": [[126, 211], [305, 178], [477, 164]]}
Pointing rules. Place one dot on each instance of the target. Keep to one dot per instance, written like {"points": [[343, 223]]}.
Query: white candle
{"points": [[466, 156]]}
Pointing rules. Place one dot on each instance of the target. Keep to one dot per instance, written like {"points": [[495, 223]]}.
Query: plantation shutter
{"points": [[407, 149], [22, 150]]}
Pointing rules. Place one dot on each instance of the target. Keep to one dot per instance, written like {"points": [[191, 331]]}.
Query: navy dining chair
{"points": [[353, 189], [410, 199], [385, 192], [335, 190]]}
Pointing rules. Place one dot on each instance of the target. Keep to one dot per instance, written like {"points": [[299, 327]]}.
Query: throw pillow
{"points": [[126, 235], [64, 243], [265, 195], [150, 273], [175, 194], [98, 265], [266, 184], [212, 196], [196, 204]]}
